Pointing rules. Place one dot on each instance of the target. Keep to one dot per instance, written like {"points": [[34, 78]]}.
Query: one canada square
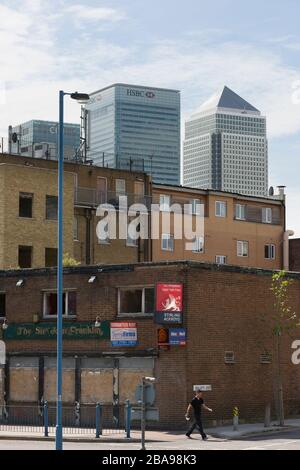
{"points": [[226, 147]]}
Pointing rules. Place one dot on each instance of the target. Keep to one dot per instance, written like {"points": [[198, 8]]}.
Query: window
{"points": [[50, 304], [131, 241], [50, 257], [136, 300], [242, 248], [167, 242], [195, 206], [221, 259], [75, 228], [164, 202], [240, 212], [25, 256], [120, 187], [198, 245], [229, 357], [2, 305], [51, 207], [221, 209], [270, 252], [25, 205], [267, 215]]}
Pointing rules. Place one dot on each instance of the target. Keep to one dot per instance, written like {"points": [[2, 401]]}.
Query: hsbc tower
{"points": [[137, 128]]}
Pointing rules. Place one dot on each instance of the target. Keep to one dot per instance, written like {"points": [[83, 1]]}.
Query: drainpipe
{"points": [[286, 249], [88, 237]]}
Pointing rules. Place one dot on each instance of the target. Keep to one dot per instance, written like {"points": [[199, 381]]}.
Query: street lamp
{"points": [[81, 98]]}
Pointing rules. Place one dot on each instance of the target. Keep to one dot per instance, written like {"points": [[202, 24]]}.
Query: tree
{"points": [[69, 261], [284, 321]]}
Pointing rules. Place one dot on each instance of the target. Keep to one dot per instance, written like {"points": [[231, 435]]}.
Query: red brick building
{"points": [[227, 315], [295, 254]]}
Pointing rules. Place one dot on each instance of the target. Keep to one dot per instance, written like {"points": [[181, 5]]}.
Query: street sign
{"points": [[152, 414], [149, 393], [203, 388], [2, 353]]}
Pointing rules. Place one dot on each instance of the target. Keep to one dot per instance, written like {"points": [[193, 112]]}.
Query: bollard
{"points": [[128, 418], [268, 416], [98, 421], [235, 418], [46, 421]]}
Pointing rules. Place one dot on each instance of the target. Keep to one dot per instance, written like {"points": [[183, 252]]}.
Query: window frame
{"points": [[271, 246], [198, 239], [48, 196], [31, 256], [222, 204], [135, 314], [169, 239], [221, 256], [245, 243], [238, 216], [265, 212], [163, 206], [54, 291]]}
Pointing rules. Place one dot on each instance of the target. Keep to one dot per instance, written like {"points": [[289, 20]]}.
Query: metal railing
{"points": [[95, 420], [89, 197]]}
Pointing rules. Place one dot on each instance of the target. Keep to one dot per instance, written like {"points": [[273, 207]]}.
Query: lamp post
{"points": [[83, 98]]}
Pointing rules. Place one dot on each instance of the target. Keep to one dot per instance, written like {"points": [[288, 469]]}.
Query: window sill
{"points": [[135, 315], [25, 218], [54, 317]]}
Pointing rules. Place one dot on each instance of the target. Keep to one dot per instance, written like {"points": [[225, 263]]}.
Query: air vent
{"points": [[229, 357], [265, 358]]}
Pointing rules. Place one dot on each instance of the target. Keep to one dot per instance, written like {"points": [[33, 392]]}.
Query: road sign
{"points": [[2, 353], [203, 388], [149, 393]]}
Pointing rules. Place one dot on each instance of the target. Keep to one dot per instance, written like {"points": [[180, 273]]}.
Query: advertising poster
{"points": [[123, 334]]}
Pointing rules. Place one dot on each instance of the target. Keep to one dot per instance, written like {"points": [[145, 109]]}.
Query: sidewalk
{"points": [[222, 432]]}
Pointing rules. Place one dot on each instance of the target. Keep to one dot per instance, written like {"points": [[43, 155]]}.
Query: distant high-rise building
{"points": [[226, 147], [39, 139], [130, 126]]}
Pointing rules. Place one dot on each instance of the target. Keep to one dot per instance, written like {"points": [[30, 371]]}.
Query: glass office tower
{"points": [[226, 147], [39, 139], [130, 126]]}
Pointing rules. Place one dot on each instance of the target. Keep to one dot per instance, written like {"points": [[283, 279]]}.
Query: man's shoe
{"points": [[188, 436], [205, 438]]}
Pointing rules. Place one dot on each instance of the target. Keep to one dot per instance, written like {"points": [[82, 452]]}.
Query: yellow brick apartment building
{"points": [[238, 230]]}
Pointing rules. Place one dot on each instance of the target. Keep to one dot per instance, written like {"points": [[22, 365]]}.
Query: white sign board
{"points": [[203, 388], [2, 353]]}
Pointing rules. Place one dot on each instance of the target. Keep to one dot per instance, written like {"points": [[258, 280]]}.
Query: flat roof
{"points": [[134, 86]]}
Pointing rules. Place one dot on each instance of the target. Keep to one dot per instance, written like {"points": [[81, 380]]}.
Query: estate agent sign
{"points": [[168, 303]]}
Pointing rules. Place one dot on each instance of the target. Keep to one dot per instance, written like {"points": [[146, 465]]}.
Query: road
{"points": [[279, 441]]}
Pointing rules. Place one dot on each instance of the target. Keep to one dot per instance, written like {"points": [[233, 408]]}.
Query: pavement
{"points": [[222, 432]]}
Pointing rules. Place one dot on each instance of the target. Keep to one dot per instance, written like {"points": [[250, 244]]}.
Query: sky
{"points": [[192, 45]]}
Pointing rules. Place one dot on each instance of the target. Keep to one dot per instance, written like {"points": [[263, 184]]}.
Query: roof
{"points": [[227, 99], [133, 86]]}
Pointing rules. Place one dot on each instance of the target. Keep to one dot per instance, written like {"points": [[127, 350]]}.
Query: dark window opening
{"points": [[25, 205], [2, 305], [50, 257], [25, 256], [51, 207]]}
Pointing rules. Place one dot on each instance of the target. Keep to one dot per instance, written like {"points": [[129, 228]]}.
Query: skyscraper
{"points": [[130, 126], [226, 147], [40, 138]]}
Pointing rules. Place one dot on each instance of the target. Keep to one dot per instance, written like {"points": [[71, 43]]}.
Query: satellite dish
{"points": [[271, 191]]}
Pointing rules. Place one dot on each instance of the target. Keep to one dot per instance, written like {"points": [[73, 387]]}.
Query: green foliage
{"points": [[285, 319], [69, 261]]}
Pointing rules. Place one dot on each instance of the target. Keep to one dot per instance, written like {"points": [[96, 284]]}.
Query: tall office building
{"points": [[39, 139], [130, 126], [226, 147]]}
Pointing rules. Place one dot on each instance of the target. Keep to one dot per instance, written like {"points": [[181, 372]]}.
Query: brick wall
{"points": [[226, 309], [295, 254]]}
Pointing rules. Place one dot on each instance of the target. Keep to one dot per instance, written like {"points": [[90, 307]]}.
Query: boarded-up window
{"points": [[23, 379], [68, 383]]}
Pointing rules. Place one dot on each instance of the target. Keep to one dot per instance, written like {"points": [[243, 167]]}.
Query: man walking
{"points": [[196, 404]]}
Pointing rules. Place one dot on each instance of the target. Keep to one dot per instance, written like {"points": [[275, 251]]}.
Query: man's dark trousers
{"points": [[197, 424]]}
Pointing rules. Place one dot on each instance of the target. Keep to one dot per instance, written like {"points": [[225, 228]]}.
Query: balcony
{"points": [[89, 197]]}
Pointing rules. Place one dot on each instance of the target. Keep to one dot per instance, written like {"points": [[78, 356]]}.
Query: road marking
{"points": [[271, 445]]}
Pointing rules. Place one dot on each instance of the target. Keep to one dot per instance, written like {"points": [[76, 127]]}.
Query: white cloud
{"points": [[92, 14]]}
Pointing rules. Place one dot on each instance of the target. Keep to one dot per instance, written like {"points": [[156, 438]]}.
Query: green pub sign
{"points": [[82, 330]]}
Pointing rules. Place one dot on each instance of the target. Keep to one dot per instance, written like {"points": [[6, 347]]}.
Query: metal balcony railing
{"points": [[89, 197]]}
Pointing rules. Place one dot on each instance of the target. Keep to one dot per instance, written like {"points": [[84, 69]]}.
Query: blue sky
{"points": [[193, 45]]}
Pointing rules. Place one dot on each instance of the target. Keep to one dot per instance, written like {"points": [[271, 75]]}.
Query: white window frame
{"points": [[240, 212], [66, 315], [75, 228], [170, 242], [241, 252], [198, 245], [271, 250], [120, 191], [267, 215], [218, 259], [163, 205], [195, 206], [135, 314], [222, 213]]}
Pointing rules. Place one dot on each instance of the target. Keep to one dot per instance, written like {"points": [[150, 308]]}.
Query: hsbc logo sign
{"points": [[140, 93]]}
